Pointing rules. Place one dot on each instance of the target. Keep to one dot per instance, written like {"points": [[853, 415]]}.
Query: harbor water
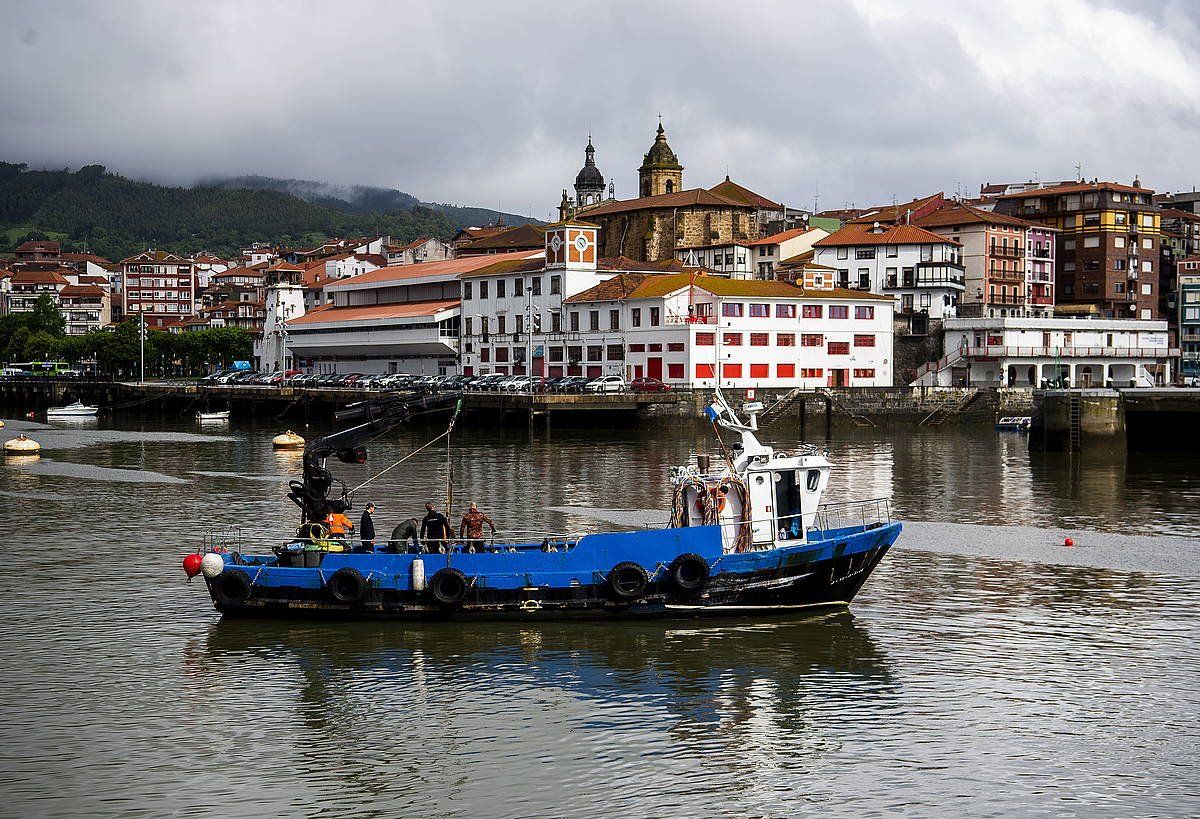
{"points": [[985, 669]]}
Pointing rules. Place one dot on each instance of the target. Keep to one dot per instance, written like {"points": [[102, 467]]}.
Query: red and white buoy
{"points": [[1068, 542]]}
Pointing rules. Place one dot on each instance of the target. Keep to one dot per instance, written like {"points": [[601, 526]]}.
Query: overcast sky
{"points": [[491, 103]]}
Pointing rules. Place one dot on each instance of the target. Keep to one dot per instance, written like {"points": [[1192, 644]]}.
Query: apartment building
{"points": [[1008, 263], [1107, 246], [158, 285]]}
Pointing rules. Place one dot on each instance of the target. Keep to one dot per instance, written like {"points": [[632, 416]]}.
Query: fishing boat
{"points": [[212, 417], [75, 410], [1014, 423], [749, 534]]}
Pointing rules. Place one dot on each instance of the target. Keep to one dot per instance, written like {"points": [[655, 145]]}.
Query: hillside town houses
{"points": [[1086, 283]]}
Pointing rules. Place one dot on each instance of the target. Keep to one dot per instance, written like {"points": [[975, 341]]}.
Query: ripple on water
{"points": [[986, 683]]}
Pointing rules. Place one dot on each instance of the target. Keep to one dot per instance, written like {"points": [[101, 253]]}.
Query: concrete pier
{"points": [[1165, 418], [36, 395]]}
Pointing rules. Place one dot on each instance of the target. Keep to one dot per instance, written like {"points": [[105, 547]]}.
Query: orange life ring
{"points": [[700, 503]]}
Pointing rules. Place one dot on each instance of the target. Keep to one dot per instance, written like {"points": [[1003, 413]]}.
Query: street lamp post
{"points": [[142, 345]]}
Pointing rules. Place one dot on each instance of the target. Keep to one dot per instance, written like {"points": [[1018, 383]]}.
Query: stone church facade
{"points": [[667, 216]]}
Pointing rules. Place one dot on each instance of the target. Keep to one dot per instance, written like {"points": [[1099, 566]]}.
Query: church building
{"points": [[665, 216]]}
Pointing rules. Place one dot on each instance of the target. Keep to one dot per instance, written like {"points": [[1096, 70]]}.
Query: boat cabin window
{"points": [[813, 479], [787, 503]]}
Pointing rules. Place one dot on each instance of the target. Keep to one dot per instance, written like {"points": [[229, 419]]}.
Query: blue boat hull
{"points": [[564, 580]]}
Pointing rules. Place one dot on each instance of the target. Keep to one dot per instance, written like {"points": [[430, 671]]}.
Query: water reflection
{"points": [[747, 697]]}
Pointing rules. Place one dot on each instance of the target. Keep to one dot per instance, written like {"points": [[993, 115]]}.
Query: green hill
{"points": [[117, 217], [365, 199]]}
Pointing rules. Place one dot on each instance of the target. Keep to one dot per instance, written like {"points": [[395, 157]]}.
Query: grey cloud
{"points": [[482, 103]]}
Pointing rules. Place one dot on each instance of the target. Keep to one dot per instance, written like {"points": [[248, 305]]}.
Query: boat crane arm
{"points": [[377, 416], [723, 415]]}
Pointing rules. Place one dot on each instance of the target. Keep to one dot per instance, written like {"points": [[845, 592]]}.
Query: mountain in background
{"points": [[106, 213], [363, 199]]}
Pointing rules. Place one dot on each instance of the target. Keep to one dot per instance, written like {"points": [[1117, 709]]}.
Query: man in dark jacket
{"points": [[435, 529], [366, 528]]}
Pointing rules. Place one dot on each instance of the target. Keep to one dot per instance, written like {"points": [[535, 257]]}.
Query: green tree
{"points": [[118, 352], [46, 317], [43, 346], [14, 350]]}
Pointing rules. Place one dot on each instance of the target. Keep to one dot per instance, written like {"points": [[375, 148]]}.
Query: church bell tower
{"points": [[660, 172]]}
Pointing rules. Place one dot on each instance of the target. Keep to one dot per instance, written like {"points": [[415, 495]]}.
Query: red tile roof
{"points": [[1175, 213], [860, 234], [414, 309], [156, 256], [1076, 187], [738, 193], [36, 246], [521, 236], [444, 267], [894, 213], [960, 213], [82, 291], [85, 257], [679, 199], [21, 277], [779, 238]]}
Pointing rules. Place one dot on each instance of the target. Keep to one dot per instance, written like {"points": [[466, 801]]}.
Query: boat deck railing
{"points": [[854, 515], [865, 514]]}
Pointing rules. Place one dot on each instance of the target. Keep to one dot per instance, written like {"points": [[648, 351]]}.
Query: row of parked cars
{"points": [[490, 382], [358, 381], [496, 382]]}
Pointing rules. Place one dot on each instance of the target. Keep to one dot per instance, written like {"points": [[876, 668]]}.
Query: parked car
{"points": [[489, 382], [648, 384], [606, 383], [573, 384]]}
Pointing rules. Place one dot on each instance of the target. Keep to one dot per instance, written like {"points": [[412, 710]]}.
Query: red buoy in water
{"points": [[1068, 542], [191, 565]]}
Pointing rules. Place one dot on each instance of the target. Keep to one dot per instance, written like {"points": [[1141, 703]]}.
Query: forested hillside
{"points": [[117, 217], [365, 199]]}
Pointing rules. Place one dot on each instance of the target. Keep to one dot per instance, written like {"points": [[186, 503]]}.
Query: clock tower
{"points": [[571, 245]]}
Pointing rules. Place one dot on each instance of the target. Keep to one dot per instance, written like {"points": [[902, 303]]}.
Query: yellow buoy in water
{"points": [[22, 446], [288, 440], [1, 425]]}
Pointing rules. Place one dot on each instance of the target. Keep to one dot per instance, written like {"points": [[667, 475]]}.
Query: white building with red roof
{"points": [[27, 285], [85, 307], [921, 270]]}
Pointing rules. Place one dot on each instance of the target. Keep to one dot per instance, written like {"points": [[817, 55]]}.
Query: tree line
{"points": [[40, 336]]}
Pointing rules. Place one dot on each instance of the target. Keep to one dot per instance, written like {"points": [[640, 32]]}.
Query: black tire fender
{"points": [[627, 581], [231, 587], [688, 573], [347, 585], [448, 586]]}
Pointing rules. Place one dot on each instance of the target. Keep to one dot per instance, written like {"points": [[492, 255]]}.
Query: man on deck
{"points": [[471, 528], [435, 529], [366, 528]]}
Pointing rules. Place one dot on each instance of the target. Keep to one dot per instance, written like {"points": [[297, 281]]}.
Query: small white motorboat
{"points": [[1016, 423], [212, 417], [76, 410]]}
